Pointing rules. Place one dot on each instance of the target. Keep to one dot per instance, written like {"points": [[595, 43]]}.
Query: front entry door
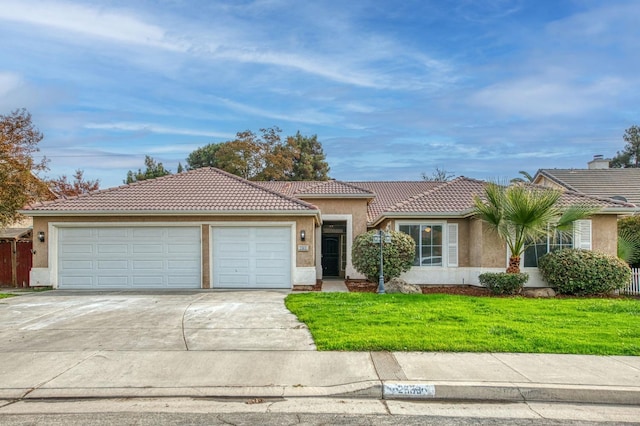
{"points": [[330, 255]]}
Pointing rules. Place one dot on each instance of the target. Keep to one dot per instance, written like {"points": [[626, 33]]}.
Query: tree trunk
{"points": [[514, 265]]}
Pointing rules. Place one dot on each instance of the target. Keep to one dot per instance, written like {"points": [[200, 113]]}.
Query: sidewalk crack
{"points": [[39, 385]]}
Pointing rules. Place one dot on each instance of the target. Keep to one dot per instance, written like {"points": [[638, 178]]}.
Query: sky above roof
{"points": [[392, 89]]}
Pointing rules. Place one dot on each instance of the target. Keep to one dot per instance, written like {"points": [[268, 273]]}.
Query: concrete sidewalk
{"points": [[278, 374]]}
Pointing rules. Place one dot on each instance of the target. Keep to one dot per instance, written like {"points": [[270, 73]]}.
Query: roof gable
{"points": [[203, 190]]}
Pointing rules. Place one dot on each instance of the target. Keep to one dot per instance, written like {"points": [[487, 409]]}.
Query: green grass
{"points": [[5, 295], [438, 322]]}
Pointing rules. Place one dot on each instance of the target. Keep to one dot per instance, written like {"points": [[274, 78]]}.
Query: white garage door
{"points": [[129, 258], [251, 257]]}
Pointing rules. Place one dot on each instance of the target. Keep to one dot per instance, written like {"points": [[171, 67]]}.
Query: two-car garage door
{"points": [[129, 258], [155, 257]]}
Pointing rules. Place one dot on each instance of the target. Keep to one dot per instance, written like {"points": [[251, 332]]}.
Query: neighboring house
{"points": [[598, 180], [210, 229]]}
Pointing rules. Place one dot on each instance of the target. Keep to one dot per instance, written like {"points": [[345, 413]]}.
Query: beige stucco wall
{"points": [[604, 234], [357, 208], [303, 259], [486, 248]]}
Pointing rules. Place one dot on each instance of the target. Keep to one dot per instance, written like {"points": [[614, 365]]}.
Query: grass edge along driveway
{"points": [[439, 322]]}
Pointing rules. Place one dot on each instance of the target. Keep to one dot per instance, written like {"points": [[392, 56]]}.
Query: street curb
{"points": [[516, 392], [365, 390], [390, 390]]}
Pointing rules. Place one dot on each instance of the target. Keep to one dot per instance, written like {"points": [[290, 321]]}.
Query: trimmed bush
{"points": [[583, 272], [397, 256], [502, 282]]}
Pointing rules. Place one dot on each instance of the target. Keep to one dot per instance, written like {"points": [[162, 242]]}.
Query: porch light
{"points": [[303, 235], [41, 236]]}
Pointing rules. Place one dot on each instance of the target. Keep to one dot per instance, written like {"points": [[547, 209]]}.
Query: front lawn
{"points": [[438, 322]]}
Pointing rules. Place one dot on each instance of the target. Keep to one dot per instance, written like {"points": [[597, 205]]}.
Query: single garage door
{"points": [[129, 258], [251, 257]]}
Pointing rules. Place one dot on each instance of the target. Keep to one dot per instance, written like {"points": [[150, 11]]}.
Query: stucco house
{"points": [[210, 229]]}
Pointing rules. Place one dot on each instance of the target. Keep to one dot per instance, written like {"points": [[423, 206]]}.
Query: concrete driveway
{"points": [[61, 321]]}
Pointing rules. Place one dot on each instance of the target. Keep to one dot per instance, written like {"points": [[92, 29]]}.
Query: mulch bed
{"points": [[464, 290]]}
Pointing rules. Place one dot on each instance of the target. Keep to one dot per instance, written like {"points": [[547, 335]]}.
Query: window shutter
{"points": [[582, 234], [452, 244]]}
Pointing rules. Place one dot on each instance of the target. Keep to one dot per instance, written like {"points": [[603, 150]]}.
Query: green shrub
{"points": [[629, 240], [583, 272], [397, 256], [502, 282]]}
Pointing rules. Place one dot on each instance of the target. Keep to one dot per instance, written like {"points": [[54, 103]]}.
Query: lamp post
{"points": [[381, 237]]}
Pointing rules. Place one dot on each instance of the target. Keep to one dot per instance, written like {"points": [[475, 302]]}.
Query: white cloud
{"points": [[154, 128], [9, 82], [307, 116], [542, 96], [116, 26]]}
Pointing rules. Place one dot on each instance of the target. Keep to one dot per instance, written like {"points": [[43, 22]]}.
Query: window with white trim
{"points": [[579, 237], [436, 243]]}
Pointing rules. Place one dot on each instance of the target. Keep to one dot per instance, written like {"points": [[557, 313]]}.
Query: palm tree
{"points": [[526, 177], [522, 214]]}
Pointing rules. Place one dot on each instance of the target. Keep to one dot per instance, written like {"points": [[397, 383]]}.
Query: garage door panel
{"points": [[272, 264], [78, 281], [129, 257], [112, 233], [150, 281], [186, 265], [178, 281], [112, 264], [251, 257], [113, 280], [180, 249], [78, 249], [269, 280], [148, 248]]}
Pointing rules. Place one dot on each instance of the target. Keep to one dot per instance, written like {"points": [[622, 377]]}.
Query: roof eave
{"points": [[413, 215], [44, 213]]}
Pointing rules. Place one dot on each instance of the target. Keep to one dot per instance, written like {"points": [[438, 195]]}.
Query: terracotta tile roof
{"points": [[317, 188], [390, 193], [201, 190], [457, 196], [289, 188], [604, 183]]}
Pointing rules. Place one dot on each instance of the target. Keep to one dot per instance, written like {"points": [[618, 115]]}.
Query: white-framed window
{"points": [[436, 243], [579, 237]]}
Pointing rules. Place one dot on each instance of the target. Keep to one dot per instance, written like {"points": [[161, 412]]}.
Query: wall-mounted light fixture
{"points": [[41, 236], [303, 235]]}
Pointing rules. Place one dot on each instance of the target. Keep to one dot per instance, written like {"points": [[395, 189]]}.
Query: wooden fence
{"points": [[634, 287]]}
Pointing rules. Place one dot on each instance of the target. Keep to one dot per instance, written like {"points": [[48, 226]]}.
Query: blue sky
{"points": [[392, 89]]}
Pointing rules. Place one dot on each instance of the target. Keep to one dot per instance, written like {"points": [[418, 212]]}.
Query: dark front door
{"points": [[330, 255]]}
